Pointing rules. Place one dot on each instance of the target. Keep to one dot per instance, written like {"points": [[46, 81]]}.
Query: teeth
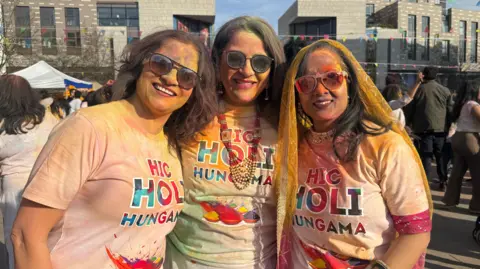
{"points": [[158, 88], [324, 102]]}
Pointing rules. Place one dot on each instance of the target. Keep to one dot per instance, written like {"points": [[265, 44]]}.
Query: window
{"points": [[446, 50], [72, 31], [426, 38], [412, 1], [412, 34], [446, 23], [193, 26], [22, 30], [386, 1], [370, 10], [48, 30], [437, 2], [474, 42], [462, 41], [120, 15], [72, 17]]}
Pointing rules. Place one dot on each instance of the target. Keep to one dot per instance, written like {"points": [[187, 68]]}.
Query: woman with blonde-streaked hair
{"points": [[345, 189]]}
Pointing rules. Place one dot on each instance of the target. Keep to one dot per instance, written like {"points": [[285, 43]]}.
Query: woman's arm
{"points": [[407, 98], [407, 201], [405, 251], [30, 232], [411, 92]]}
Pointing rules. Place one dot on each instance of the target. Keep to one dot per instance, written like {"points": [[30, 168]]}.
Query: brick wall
{"points": [[158, 14]]}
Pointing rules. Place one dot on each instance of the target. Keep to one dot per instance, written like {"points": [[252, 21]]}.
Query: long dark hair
{"points": [[354, 120], [274, 49], [200, 109], [20, 108], [467, 92], [392, 92], [58, 105]]}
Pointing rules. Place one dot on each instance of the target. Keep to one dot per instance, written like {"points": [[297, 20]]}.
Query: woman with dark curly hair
{"points": [[107, 188], [24, 129]]}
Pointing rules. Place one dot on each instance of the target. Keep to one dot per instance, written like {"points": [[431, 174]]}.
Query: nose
{"points": [[170, 78], [247, 69], [321, 89]]}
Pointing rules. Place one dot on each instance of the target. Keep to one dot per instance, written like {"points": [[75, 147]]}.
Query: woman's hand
{"points": [[419, 77]]}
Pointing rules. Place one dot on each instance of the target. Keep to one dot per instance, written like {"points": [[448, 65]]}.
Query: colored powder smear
{"points": [[124, 263]]}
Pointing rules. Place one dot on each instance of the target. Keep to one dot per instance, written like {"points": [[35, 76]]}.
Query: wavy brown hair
{"points": [[200, 109], [274, 49], [20, 108]]}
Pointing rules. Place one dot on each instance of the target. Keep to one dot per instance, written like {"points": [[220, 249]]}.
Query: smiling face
{"points": [[243, 85], [324, 105], [162, 95]]}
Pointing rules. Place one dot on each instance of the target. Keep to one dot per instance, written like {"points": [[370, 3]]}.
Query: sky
{"points": [[271, 10], [464, 4]]}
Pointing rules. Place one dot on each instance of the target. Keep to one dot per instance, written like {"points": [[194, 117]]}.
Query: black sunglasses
{"points": [[161, 65], [260, 63]]}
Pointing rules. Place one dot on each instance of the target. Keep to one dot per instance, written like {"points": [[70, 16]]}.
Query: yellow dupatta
{"points": [[286, 162]]}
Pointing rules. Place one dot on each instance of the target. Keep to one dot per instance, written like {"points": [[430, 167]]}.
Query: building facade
{"points": [[399, 35], [425, 33], [74, 34], [339, 19]]}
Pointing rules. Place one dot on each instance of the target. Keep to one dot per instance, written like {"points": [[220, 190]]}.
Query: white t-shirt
{"points": [[467, 122], [75, 105], [397, 105]]}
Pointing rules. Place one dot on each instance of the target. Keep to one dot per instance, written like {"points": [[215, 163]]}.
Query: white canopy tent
{"points": [[43, 76]]}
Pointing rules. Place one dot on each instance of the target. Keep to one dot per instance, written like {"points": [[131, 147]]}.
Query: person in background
{"points": [[60, 108], [466, 146], [229, 220], [76, 102], [24, 129], [47, 99], [347, 195], [428, 114], [107, 187], [396, 99]]}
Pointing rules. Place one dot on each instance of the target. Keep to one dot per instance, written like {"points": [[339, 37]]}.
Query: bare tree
{"points": [[8, 39]]}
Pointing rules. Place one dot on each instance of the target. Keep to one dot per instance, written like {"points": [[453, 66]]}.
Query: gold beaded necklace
{"points": [[241, 171]]}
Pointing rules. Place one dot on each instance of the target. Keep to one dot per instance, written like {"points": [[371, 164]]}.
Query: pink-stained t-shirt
{"points": [[121, 189], [348, 213]]}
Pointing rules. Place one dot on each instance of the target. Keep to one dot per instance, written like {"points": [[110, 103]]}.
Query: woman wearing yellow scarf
{"points": [[354, 193]]}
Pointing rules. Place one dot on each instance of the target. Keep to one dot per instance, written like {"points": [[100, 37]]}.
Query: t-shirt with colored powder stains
{"points": [[121, 189], [221, 226], [348, 213]]}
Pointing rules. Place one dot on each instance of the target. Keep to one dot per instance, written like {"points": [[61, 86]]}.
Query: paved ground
{"points": [[451, 246]]}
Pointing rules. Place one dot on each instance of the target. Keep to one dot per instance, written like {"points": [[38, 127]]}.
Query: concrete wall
{"points": [[386, 13], [289, 16], [350, 16]]}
